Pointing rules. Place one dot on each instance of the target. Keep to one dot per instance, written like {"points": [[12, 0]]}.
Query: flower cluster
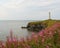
{"points": [[47, 38]]}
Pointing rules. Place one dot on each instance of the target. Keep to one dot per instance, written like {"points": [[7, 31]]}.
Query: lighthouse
{"points": [[49, 15]]}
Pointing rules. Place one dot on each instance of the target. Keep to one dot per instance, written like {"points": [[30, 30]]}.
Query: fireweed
{"points": [[47, 38]]}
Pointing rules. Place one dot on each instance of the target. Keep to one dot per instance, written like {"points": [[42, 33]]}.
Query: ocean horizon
{"points": [[15, 25]]}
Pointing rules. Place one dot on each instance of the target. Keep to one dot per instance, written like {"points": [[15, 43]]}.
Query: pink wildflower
{"points": [[47, 46], [43, 40], [33, 33], [28, 46], [29, 38], [41, 33]]}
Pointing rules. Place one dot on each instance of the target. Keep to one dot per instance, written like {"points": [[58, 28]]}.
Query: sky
{"points": [[29, 9]]}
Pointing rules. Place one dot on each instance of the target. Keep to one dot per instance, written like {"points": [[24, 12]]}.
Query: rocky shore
{"points": [[39, 25]]}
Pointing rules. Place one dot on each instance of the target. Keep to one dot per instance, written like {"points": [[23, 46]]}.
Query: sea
{"points": [[6, 26]]}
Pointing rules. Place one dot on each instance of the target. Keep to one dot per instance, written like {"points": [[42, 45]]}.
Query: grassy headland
{"points": [[39, 25]]}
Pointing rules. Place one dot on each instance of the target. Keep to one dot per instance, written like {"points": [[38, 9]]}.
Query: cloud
{"points": [[3, 13], [27, 9], [12, 4], [56, 13], [25, 3]]}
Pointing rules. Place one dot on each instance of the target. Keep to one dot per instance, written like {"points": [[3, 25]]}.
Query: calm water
{"points": [[6, 26]]}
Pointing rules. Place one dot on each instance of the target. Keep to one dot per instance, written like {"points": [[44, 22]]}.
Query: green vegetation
{"points": [[47, 38], [39, 25], [48, 22]]}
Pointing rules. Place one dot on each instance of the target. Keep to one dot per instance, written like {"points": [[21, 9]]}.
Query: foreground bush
{"points": [[48, 38]]}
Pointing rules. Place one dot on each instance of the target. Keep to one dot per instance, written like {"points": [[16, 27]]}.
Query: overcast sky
{"points": [[29, 9]]}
